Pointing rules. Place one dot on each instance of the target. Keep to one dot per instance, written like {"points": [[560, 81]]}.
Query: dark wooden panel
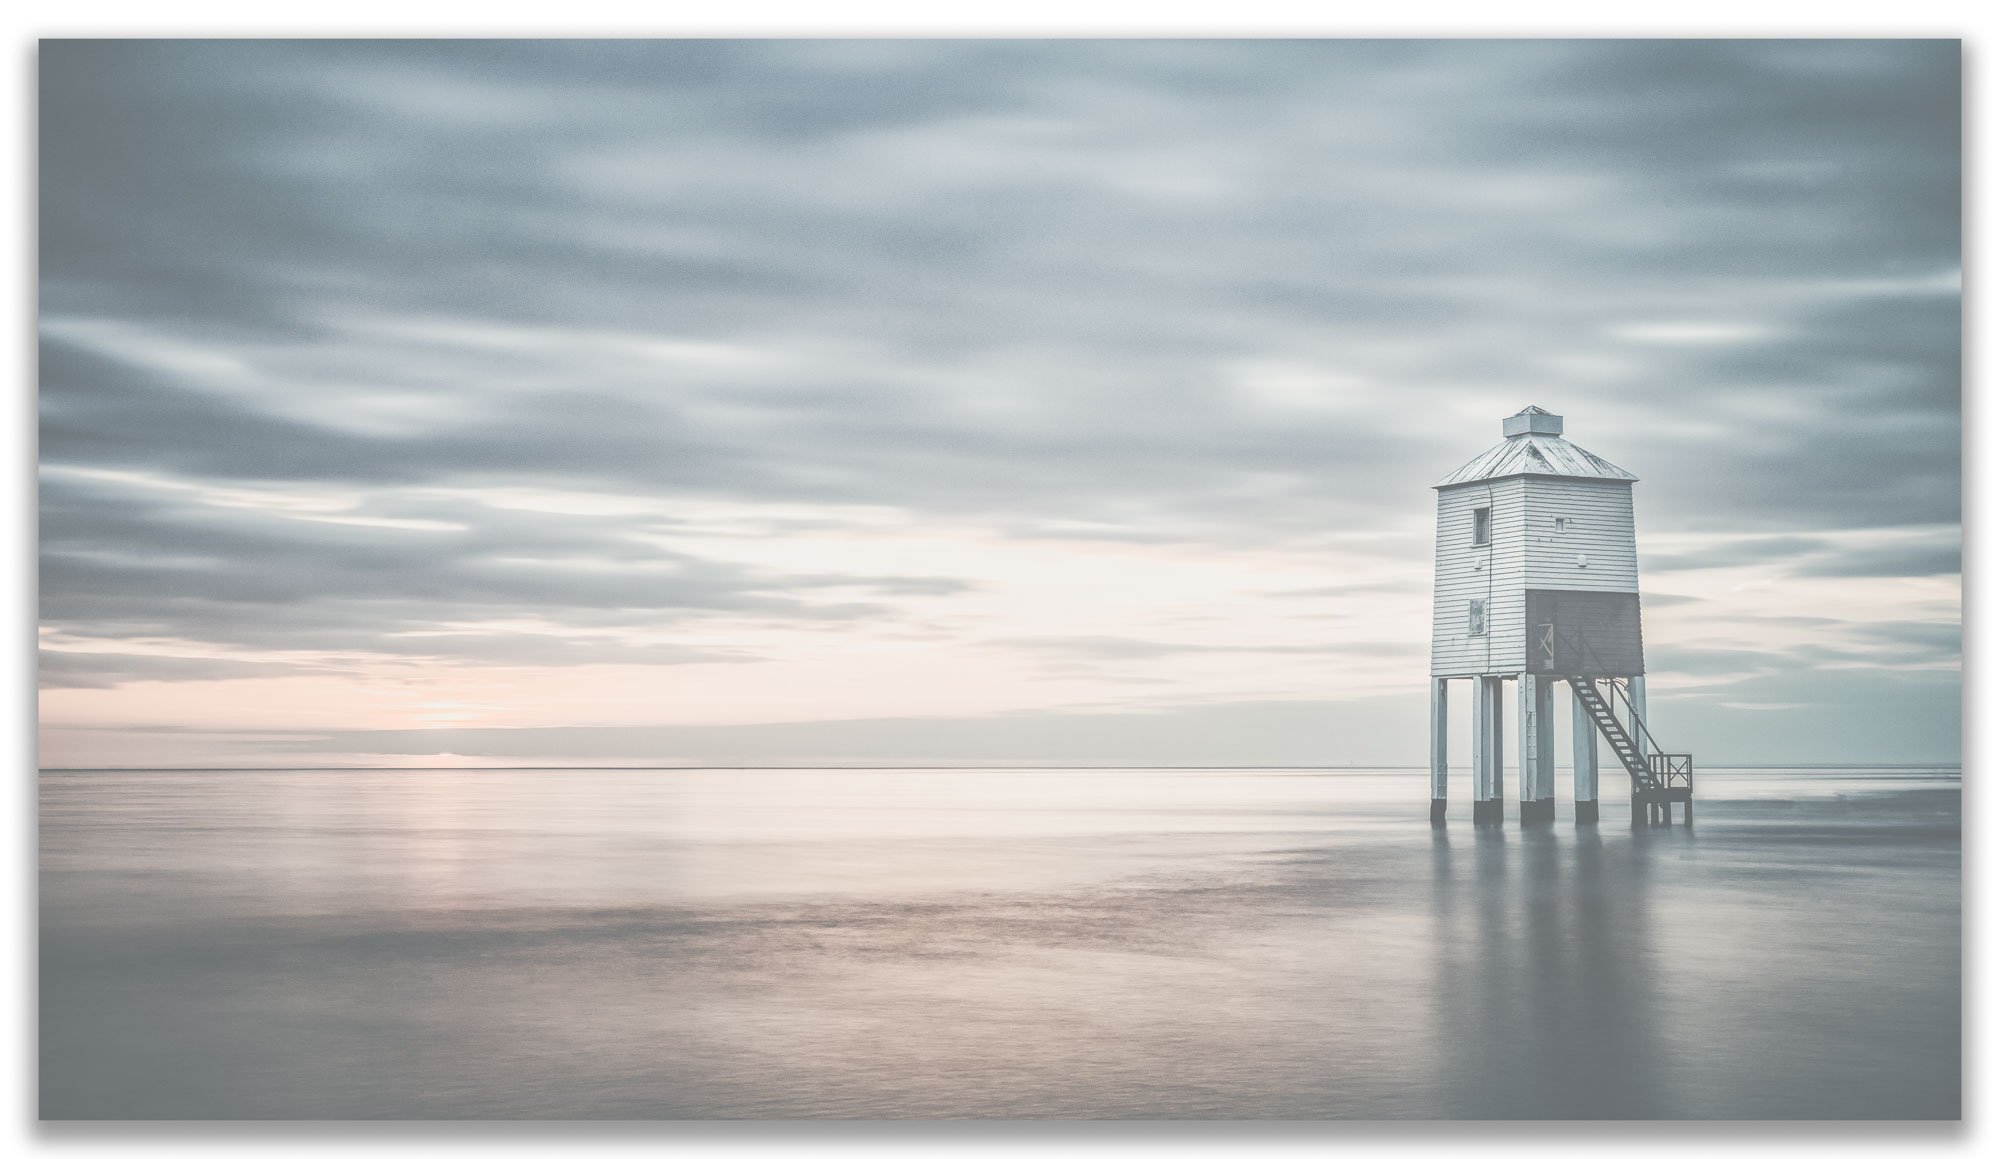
{"points": [[1584, 633]]}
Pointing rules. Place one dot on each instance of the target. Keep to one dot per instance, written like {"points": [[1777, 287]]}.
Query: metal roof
{"points": [[1535, 453]]}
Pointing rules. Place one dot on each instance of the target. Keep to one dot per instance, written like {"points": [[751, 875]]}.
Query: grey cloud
{"points": [[1818, 557], [1735, 553], [1838, 644], [1045, 287], [1928, 640], [62, 669], [126, 560], [1356, 588], [1817, 715], [1132, 215], [1926, 559], [1126, 648], [1670, 600], [101, 411], [1708, 661]]}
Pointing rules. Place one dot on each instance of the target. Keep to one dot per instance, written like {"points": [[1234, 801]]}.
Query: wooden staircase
{"points": [[1658, 778], [1629, 754]]}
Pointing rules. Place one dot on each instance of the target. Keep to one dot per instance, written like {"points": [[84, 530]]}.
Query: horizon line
{"points": [[1841, 765]]}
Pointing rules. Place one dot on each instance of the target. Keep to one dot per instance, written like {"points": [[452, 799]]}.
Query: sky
{"points": [[974, 401]]}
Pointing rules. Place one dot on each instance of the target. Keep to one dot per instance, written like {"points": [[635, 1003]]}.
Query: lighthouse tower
{"points": [[1538, 583]]}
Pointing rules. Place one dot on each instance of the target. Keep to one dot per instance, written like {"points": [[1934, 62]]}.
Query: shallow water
{"points": [[1032, 943]]}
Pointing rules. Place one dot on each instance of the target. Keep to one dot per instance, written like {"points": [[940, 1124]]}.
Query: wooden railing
{"points": [[1674, 770], [1619, 691]]}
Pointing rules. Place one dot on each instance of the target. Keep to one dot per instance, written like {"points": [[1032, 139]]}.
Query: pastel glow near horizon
{"points": [[527, 403]]}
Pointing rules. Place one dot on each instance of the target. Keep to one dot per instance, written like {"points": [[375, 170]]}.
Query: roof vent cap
{"points": [[1532, 420]]}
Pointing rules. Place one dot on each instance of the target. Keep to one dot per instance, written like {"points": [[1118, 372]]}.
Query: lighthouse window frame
{"points": [[1482, 526], [1475, 617]]}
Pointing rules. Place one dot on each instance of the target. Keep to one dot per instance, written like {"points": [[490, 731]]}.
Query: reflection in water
{"points": [[1544, 981], [1119, 944]]}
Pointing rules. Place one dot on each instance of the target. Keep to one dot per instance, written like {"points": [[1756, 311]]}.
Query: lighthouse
{"points": [[1537, 584]]}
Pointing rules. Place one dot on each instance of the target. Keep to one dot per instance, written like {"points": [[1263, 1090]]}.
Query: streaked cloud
{"points": [[705, 383], [1690, 333]]}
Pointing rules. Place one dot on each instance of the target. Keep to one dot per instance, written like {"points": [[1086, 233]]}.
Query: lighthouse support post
{"points": [[1487, 758], [1538, 750], [1440, 760], [1583, 757], [1637, 688]]}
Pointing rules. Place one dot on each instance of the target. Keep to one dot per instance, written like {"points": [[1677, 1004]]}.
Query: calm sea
{"points": [[1023, 943]]}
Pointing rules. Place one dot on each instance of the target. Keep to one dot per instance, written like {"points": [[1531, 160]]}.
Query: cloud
{"points": [[1734, 553], [132, 558], [1926, 640], [908, 235], [309, 309], [1727, 662], [1125, 648], [1657, 600], [1841, 716], [1688, 333], [1910, 551], [1922, 559], [60, 669]]}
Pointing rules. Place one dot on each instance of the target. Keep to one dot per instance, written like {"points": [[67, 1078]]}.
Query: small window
{"points": [[1482, 526], [1475, 618], [1562, 525]]}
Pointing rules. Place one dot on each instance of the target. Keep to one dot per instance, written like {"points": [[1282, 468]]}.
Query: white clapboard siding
{"points": [[1597, 526], [1460, 579]]}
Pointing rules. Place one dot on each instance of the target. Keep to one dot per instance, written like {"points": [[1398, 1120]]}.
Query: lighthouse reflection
{"points": [[1544, 961]]}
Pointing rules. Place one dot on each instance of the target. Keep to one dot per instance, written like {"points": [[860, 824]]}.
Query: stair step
{"points": [[1623, 745]]}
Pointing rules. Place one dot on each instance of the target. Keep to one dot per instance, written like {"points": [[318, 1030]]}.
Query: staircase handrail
{"points": [[1631, 712], [1636, 765]]}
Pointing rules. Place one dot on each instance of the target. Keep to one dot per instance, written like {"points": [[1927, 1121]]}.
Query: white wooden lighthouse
{"points": [[1538, 583]]}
